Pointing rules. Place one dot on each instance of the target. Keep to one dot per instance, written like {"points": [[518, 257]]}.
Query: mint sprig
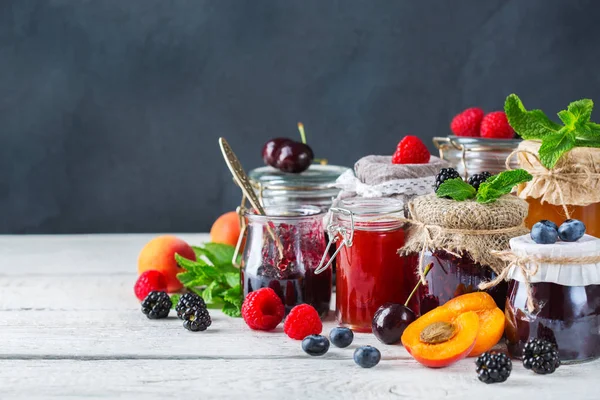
{"points": [[213, 277], [498, 185], [456, 189], [577, 131], [489, 191]]}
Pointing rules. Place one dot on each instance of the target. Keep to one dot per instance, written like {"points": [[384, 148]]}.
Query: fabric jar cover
{"points": [[566, 275], [376, 176]]}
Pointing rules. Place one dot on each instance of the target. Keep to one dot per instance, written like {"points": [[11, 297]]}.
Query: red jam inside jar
{"points": [[370, 272], [452, 276]]}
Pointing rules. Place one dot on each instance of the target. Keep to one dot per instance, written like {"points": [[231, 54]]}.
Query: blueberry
{"points": [[367, 356], [571, 230], [315, 345], [341, 337], [549, 224], [544, 232]]}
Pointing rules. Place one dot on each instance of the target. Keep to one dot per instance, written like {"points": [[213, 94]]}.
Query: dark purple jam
{"points": [[568, 316], [453, 276]]}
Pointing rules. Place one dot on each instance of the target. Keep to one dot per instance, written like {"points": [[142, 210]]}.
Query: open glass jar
{"points": [[370, 272], [283, 249], [565, 298]]}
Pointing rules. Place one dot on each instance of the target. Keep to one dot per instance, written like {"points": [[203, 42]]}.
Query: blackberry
{"points": [[444, 175], [196, 319], [540, 356], [157, 305], [493, 367], [478, 179], [188, 300]]}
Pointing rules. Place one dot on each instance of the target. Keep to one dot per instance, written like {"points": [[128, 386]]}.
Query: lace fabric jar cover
{"points": [[554, 294]]}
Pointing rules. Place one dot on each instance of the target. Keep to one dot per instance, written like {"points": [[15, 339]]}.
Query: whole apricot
{"points": [[159, 254], [226, 229]]}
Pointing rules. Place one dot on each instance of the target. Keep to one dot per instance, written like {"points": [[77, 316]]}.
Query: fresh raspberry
{"points": [[263, 310], [467, 123], [302, 321], [149, 281], [495, 126], [411, 150]]}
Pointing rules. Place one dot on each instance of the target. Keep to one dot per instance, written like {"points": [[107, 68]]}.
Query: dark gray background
{"points": [[110, 110]]}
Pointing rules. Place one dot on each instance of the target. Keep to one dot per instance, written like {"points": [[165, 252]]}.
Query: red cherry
{"points": [[270, 149], [293, 157]]}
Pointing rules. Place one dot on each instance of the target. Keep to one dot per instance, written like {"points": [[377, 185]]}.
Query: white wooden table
{"points": [[70, 326]]}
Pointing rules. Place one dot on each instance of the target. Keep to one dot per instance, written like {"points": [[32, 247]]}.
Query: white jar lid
{"points": [[562, 274]]}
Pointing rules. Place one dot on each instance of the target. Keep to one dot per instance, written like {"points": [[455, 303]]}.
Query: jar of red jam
{"points": [[565, 298], [283, 249], [370, 272]]}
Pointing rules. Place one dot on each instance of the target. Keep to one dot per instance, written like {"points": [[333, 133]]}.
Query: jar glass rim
{"points": [[285, 212], [376, 214]]}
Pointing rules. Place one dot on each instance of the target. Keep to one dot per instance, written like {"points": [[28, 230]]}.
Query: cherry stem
{"points": [[302, 133], [427, 269]]}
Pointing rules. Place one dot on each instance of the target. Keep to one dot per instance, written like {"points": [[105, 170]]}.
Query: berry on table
{"points": [[188, 300], [495, 126], [544, 232], [411, 150], [341, 337], [493, 367], [149, 281], [540, 356], [467, 123], [157, 305], [477, 179], [263, 310], [196, 318], [390, 321], [444, 175], [571, 230], [315, 345], [367, 356], [303, 320]]}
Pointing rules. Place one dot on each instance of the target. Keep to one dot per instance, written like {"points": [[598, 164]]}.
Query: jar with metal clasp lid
{"points": [[370, 272], [472, 155]]}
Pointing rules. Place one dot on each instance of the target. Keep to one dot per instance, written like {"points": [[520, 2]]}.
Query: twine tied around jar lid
{"points": [[574, 181], [529, 266]]}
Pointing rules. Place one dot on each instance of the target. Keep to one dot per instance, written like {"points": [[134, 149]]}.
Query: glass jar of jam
{"points": [[452, 276], [565, 298], [570, 190], [283, 249], [476, 155], [370, 272]]}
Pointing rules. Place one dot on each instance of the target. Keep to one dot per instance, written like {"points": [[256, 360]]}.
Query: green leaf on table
{"points": [[231, 310], [234, 295], [232, 278], [498, 185], [215, 253], [174, 300], [533, 124], [456, 189]]}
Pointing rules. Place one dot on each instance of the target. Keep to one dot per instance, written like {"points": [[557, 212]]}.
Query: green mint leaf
{"points": [[211, 292], [174, 300], [554, 146], [231, 310], [499, 185], [232, 279], [457, 189], [215, 253], [532, 124], [581, 110], [568, 118], [234, 295]]}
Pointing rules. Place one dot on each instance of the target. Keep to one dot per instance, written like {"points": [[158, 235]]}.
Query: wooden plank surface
{"points": [[70, 326]]}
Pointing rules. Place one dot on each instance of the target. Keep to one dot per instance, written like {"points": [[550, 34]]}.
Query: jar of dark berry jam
{"points": [[564, 282], [283, 249], [370, 273]]}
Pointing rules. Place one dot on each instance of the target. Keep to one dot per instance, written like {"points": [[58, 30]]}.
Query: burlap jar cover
{"points": [[460, 227], [376, 176], [575, 179]]}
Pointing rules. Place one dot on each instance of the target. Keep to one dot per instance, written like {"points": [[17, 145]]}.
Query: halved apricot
{"points": [[441, 337], [491, 318]]}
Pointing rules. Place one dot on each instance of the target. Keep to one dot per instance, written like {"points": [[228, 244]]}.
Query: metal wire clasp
{"points": [[336, 232]]}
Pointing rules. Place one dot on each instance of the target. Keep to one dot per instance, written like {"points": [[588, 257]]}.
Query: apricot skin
{"points": [[226, 229], [159, 254]]}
